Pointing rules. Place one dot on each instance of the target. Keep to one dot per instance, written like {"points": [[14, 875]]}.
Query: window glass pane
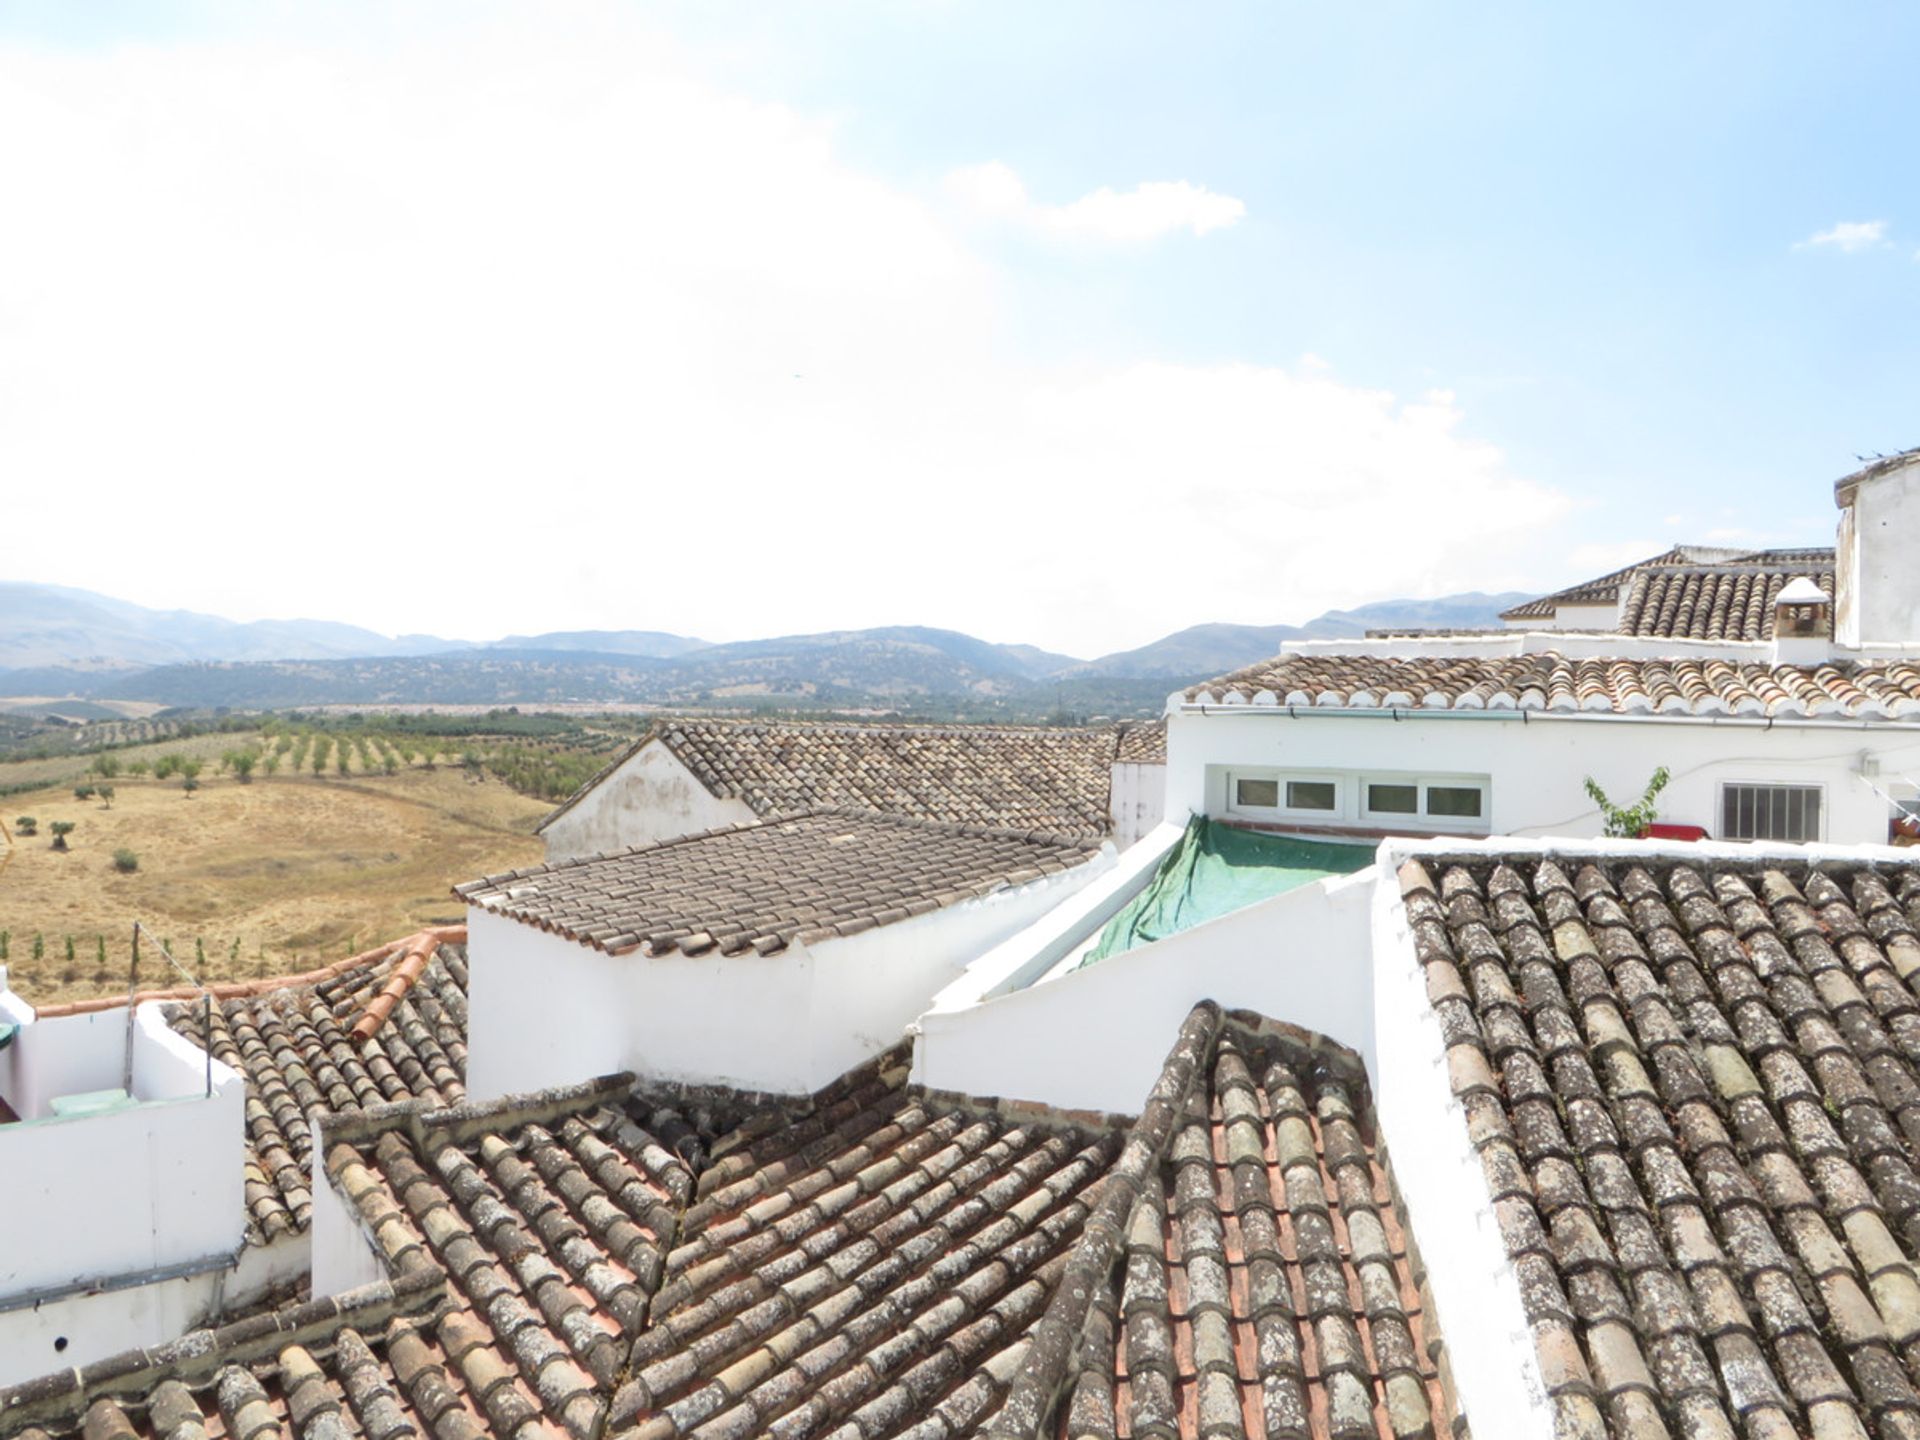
{"points": [[1459, 801], [1310, 795], [1393, 799], [1264, 793]]}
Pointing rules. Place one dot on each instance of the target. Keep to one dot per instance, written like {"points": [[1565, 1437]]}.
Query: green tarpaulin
{"points": [[1216, 869]]}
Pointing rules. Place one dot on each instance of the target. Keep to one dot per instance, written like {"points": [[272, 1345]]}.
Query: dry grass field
{"points": [[285, 873]]}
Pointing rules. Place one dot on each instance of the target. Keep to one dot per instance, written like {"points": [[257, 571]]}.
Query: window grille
{"points": [[1770, 812]]}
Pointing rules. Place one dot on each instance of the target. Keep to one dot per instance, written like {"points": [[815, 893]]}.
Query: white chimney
{"points": [[1802, 623], [1877, 561]]}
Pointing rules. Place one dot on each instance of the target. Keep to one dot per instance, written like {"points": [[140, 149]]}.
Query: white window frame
{"points": [[1720, 809], [1337, 779], [1420, 816]]}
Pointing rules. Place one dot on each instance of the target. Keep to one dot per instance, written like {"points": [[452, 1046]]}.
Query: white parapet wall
{"points": [[1496, 1369], [543, 1010], [1094, 1039], [120, 1228]]}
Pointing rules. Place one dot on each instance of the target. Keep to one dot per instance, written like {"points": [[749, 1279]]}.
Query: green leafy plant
{"points": [[61, 829], [1628, 821], [125, 861], [26, 825], [83, 792], [105, 792]]}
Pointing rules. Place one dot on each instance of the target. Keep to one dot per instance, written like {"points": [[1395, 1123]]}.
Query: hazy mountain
{"points": [[52, 625], [1468, 611], [1201, 651], [655, 644], [55, 641], [844, 669]]}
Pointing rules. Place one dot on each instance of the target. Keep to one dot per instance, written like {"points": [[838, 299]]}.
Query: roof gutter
{"points": [[1529, 717]]}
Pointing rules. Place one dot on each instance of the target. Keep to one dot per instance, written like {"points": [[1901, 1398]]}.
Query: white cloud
{"points": [[526, 327], [1848, 237], [1148, 211]]}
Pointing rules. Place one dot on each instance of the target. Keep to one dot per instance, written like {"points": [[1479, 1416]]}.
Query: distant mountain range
{"points": [[59, 641]]}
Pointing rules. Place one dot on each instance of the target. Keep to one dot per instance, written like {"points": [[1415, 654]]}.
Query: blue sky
{"points": [[1508, 292]]}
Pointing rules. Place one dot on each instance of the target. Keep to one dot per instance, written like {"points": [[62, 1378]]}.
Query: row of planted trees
{"points": [[40, 960]]}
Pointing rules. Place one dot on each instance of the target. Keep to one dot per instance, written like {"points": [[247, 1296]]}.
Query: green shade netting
{"points": [[1216, 869]]}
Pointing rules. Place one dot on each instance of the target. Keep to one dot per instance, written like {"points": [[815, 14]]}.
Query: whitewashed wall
{"points": [[1095, 1038], [105, 1200], [546, 1011], [1878, 581], [343, 1252], [1537, 764], [650, 797], [1137, 801]]}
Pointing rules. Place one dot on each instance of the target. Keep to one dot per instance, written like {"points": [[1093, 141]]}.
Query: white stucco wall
{"points": [[1137, 801], [648, 798], [1537, 764], [546, 1011], [343, 1252], [1876, 573], [102, 1202], [1096, 1038]]}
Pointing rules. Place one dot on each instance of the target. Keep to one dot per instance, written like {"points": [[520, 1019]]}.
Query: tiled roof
{"points": [[1698, 559], [1695, 1094], [386, 1029], [1604, 588], [1717, 602], [1554, 683], [875, 1263], [1142, 743], [1267, 1286], [1028, 778], [761, 887]]}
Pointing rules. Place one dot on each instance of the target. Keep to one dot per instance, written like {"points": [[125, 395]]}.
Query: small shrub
{"points": [[125, 861], [26, 825], [189, 785], [6, 940], [61, 829], [1627, 821], [83, 792], [70, 949], [100, 951], [39, 946], [105, 792]]}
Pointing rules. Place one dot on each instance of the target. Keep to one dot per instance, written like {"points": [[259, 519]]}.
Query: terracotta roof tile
{"points": [[872, 1263], [1552, 683], [1028, 778], [764, 886], [1695, 1094], [383, 1030], [1603, 589], [1142, 743], [1718, 602]]}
